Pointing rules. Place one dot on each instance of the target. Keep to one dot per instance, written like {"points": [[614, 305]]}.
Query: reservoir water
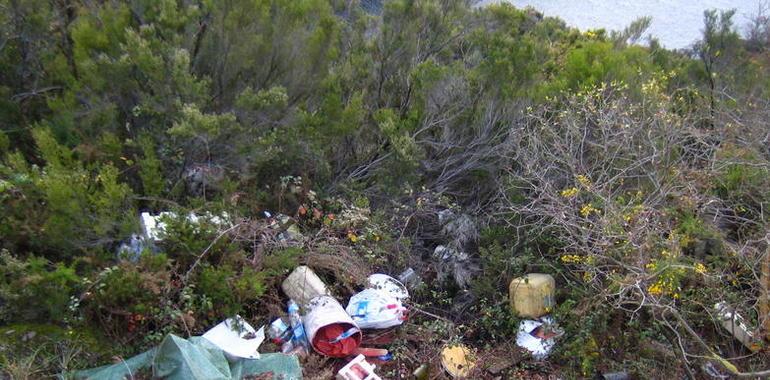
{"points": [[676, 23]]}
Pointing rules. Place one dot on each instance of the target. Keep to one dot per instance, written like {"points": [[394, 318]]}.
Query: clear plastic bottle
{"points": [[300, 338], [279, 330]]}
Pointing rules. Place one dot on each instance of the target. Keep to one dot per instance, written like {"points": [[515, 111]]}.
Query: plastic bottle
{"points": [[298, 329], [279, 331]]}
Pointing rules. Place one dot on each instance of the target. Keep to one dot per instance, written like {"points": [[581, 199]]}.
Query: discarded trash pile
{"points": [[315, 321], [532, 297]]}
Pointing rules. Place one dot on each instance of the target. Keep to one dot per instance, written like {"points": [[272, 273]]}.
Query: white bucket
{"points": [[303, 284], [325, 311], [383, 282]]}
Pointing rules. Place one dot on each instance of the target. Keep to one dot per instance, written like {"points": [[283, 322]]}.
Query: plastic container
{"points": [[357, 369], [531, 296], [279, 331], [383, 282], [303, 284], [298, 329], [330, 330], [736, 325], [457, 361]]}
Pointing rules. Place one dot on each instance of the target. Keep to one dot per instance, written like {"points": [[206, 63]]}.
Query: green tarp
{"points": [[195, 359]]}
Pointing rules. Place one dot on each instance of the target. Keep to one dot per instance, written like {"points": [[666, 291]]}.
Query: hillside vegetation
{"points": [[637, 176]]}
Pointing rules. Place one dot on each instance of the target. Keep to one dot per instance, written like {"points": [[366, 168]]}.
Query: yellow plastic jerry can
{"points": [[532, 295]]}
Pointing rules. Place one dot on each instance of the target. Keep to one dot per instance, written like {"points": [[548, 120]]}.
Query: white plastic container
{"points": [[736, 325], [303, 284], [325, 311], [358, 369]]}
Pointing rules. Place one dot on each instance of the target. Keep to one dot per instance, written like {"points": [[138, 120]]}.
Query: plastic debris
{"points": [[383, 282], [422, 372], [237, 338], [299, 342], [330, 330], [133, 248], [372, 352], [455, 263], [376, 309], [358, 369], [409, 278], [279, 331], [736, 325], [303, 284], [194, 358], [710, 369], [537, 337], [154, 226], [290, 233], [531, 296], [623, 375], [457, 360]]}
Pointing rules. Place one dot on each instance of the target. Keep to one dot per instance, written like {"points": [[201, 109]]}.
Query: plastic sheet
{"points": [[195, 358]]}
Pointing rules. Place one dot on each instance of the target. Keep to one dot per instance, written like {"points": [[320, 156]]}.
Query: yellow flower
{"points": [[588, 209], [655, 289], [569, 193], [584, 181], [352, 237], [700, 268]]}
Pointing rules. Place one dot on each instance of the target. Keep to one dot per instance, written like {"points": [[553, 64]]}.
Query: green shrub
{"points": [[35, 290]]}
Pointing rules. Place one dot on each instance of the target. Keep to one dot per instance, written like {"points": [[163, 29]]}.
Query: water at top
{"points": [[676, 23]]}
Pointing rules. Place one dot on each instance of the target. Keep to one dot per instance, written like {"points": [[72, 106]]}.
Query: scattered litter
{"points": [[237, 338], [133, 248], [299, 341], [290, 232], [376, 309], [422, 372], [357, 369], [194, 358], [409, 278], [390, 285], [330, 330], [712, 371], [154, 226], [371, 352], [736, 325], [616, 376], [459, 228], [445, 216], [537, 337], [303, 284], [456, 360], [455, 263], [279, 331], [531, 296]]}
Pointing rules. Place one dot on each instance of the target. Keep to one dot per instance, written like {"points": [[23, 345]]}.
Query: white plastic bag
{"points": [[527, 339], [374, 309], [237, 338]]}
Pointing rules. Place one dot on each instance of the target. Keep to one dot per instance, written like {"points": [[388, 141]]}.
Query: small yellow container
{"points": [[532, 295]]}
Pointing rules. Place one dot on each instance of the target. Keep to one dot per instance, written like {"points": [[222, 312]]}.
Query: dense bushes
{"points": [[637, 174]]}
